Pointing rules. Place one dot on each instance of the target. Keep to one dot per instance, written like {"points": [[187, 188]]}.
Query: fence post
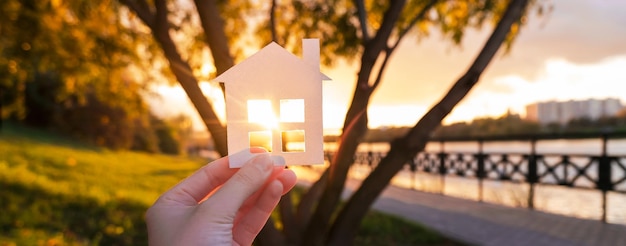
{"points": [[604, 175], [531, 176], [413, 168], [480, 173], [442, 168]]}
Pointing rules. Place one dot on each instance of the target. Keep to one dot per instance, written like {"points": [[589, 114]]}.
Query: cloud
{"points": [[559, 79], [564, 79], [577, 51], [579, 31]]}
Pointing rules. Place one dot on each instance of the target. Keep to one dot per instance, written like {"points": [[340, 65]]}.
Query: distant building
{"points": [[563, 112]]}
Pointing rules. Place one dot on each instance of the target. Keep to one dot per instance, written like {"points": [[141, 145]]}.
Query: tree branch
{"points": [[355, 127], [403, 32], [390, 50], [379, 43], [362, 13], [381, 70], [160, 21], [308, 201], [371, 53], [143, 11], [273, 21], [215, 36], [413, 21], [345, 227]]}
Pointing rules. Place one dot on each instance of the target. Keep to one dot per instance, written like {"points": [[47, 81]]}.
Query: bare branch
{"points": [[161, 24], [381, 70], [273, 21], [142, 9], [362, 13], [414, 21], [371, 53], [391, 49], [377, 45]]}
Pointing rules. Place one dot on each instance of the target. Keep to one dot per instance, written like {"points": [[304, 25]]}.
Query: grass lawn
{"points": [[54, 191]]}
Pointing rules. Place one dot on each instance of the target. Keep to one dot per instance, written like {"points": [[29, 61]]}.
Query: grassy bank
{"points": [[54, 191]]}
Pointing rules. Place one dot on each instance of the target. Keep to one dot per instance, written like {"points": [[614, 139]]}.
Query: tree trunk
{"points": [[346, 225], [159, 25], [269, 235], [355, 127], [182, 72], [307, 203], [214, 33], [291, 232], [316, 229]]}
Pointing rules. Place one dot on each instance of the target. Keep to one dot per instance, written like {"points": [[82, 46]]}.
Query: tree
{"points": [[348, 29], [73, 66], [344, 228], [155, 17]]}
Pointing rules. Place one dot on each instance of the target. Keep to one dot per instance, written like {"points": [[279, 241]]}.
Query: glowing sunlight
{"points": [[261, 112]]}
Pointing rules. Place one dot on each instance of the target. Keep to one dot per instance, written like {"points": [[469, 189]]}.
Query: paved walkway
{"points": [[487, 224]]}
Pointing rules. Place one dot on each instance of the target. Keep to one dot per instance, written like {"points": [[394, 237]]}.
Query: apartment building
{"points": [[563, 111]]}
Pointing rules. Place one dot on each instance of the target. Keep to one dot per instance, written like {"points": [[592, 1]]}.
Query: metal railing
{"points": [[601, 172]]}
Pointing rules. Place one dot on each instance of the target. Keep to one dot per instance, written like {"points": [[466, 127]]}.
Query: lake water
{"points": [[582, 203], [585, 146]]}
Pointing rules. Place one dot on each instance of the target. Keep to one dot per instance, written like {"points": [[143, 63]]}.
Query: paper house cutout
{"points": [[274, 101]]}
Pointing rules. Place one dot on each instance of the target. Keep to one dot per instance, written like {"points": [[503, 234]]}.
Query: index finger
{"points": [[193, 189], [196, 187]]}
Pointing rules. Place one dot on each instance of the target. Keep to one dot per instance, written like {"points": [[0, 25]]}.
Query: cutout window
{"points": [[293, 141], [292, 110], [260, 112], [261, 139]]}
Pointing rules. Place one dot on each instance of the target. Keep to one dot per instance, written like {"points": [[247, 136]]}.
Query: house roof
{"points": [[271, 54]]}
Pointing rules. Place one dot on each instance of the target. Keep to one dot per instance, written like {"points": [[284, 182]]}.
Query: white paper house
{"points": [[274, 101]]}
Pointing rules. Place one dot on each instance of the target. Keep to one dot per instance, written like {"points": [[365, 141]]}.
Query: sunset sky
{"points": [[577, 51]]}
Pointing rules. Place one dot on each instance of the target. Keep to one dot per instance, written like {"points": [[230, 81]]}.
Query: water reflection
{"points": [[579, 203], [584, 146], [582, 203]]}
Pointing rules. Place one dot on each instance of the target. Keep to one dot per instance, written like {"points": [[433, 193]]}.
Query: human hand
{"points": [[218, 205]]}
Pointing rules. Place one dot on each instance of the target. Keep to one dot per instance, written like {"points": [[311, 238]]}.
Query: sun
{"points": [[261, 112]]}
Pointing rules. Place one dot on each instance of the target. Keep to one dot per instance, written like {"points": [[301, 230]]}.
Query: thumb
{"points": [[245, 182]]}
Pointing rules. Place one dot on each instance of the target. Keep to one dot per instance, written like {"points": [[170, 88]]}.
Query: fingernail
{"points": [[265, 161]]}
